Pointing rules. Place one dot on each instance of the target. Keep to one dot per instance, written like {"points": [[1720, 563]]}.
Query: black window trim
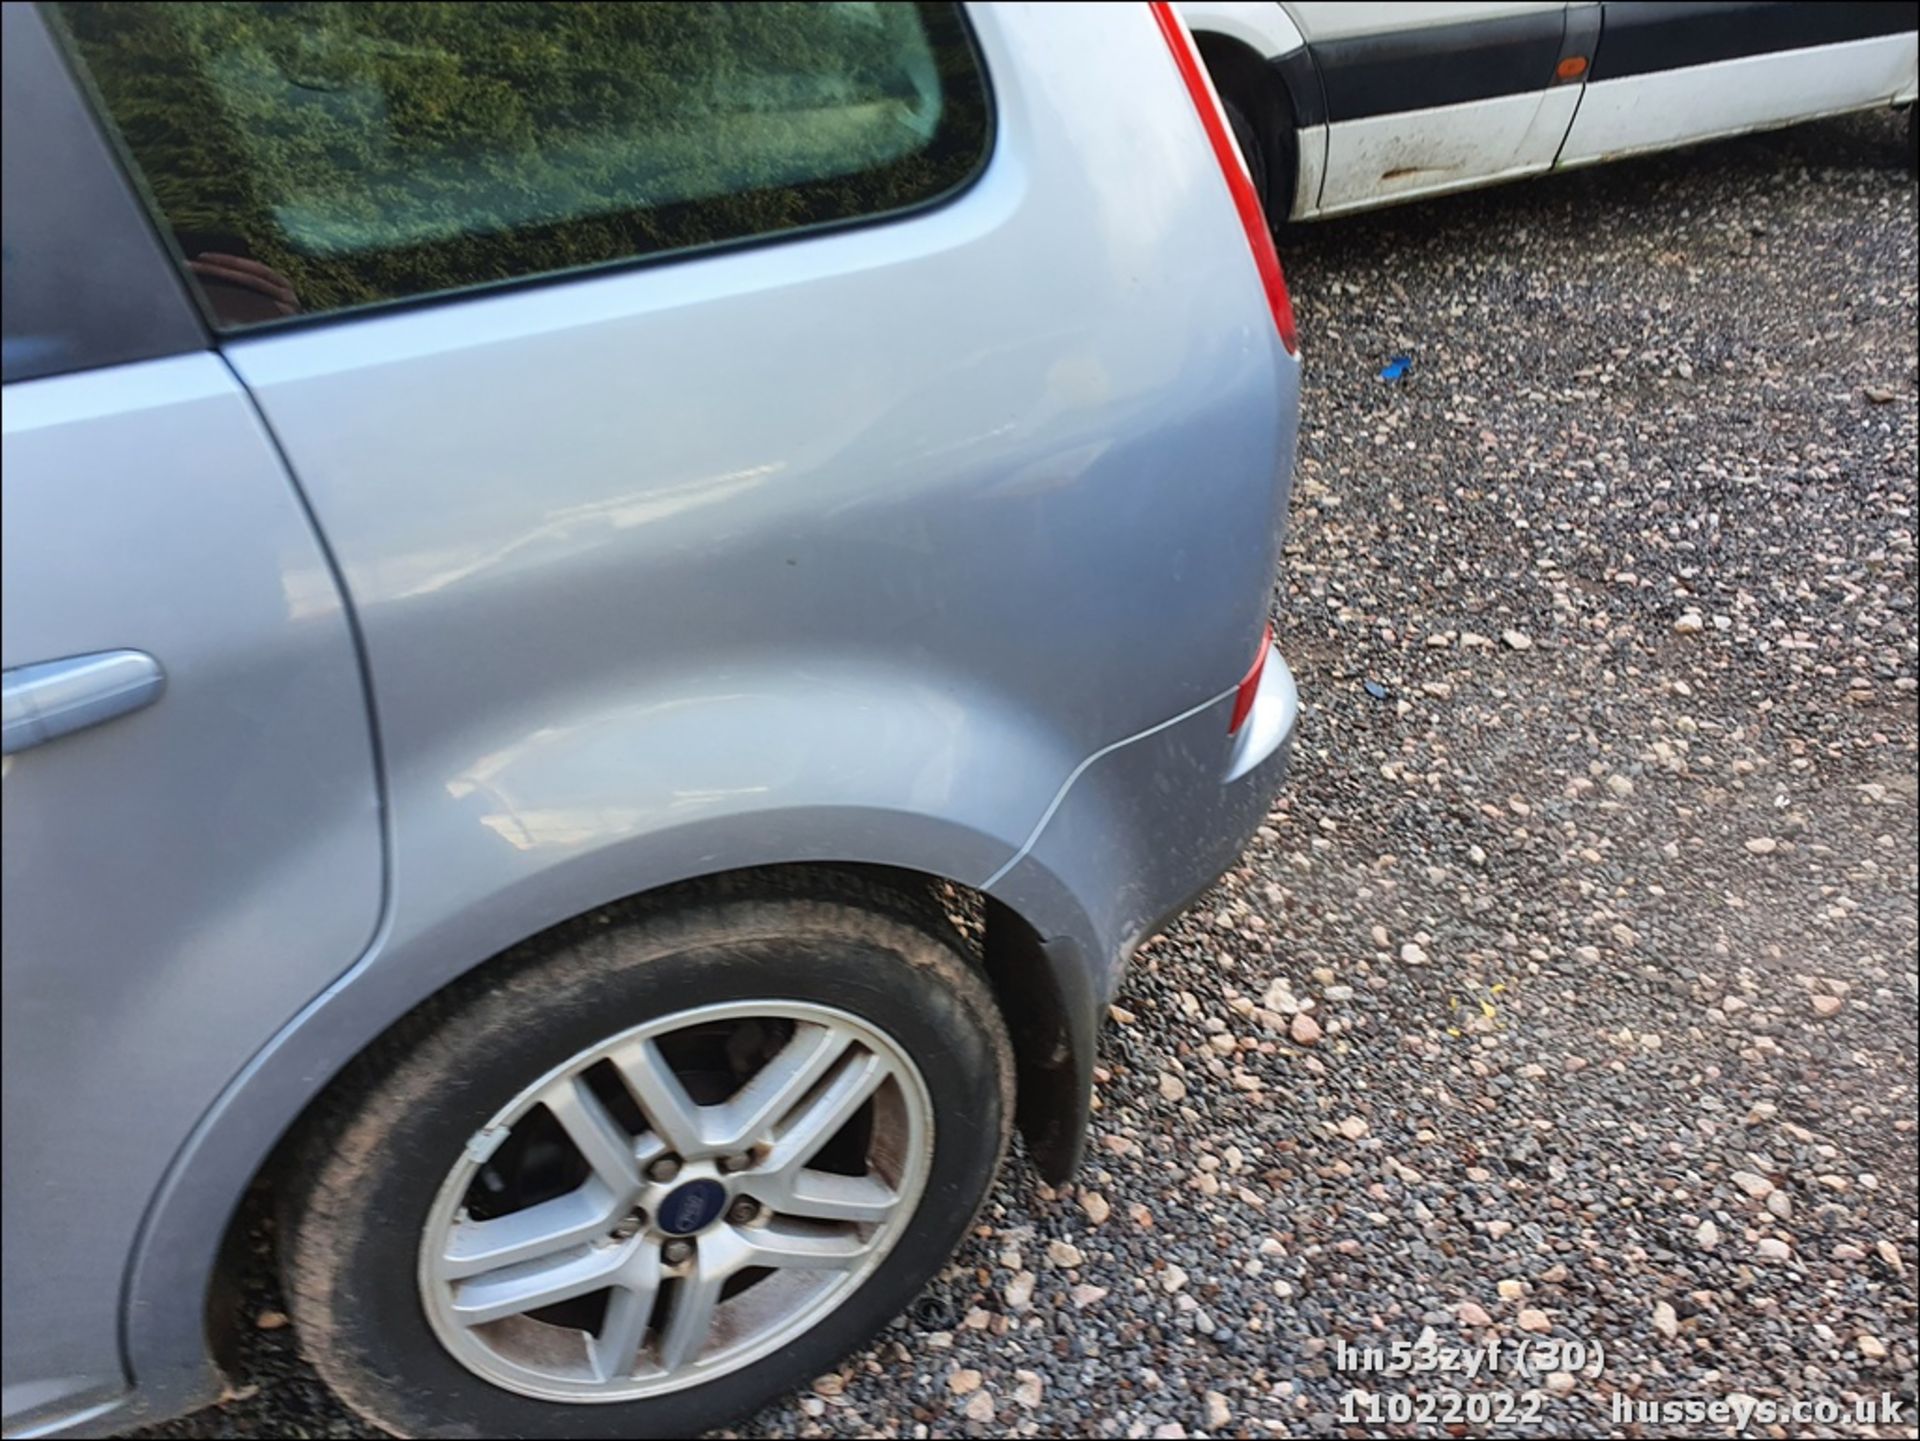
{"points": [[135, 304], [222, 337]]}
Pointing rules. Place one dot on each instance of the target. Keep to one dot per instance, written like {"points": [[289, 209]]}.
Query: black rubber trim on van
{"points": [[1582, 39], [1434, 65], [1299, 81], [1641, 38]]}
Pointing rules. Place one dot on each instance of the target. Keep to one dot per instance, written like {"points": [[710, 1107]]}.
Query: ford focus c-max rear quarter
{"points": [[716, 501]]}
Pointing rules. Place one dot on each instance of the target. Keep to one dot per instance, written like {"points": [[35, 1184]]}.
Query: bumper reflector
{"points": [[1250, 686]]}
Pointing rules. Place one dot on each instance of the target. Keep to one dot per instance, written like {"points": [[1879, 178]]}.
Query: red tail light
{"points": [[1239, 183], [1250, 686]]}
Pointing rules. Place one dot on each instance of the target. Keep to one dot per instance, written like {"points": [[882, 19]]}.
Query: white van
{"points": [[1344, 106]]}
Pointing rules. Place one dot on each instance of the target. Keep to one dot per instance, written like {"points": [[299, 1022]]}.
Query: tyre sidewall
{"points": [[1255, 154]]}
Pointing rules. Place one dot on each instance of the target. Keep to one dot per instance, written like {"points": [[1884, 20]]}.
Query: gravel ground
{"points": [[1569, 992]]}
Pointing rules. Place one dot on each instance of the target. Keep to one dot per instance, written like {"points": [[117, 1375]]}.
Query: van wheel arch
{"points": [[1257, 99]]}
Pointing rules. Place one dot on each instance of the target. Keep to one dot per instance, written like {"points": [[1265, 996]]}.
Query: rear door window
{"points": [[316, 157]]}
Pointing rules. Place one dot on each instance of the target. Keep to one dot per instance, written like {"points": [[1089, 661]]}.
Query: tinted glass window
{"points": [[311, 157], [84, 282]]}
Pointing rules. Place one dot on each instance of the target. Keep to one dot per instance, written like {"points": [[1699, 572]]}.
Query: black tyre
{"points": [[651, 1172], [1256, 157], [1261, 115]]}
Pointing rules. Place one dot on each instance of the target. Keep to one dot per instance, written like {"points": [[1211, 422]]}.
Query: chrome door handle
{"points": [[58, 697]]}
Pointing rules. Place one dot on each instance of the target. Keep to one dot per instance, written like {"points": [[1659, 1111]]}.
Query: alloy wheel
{"points": [[676, 1202]]}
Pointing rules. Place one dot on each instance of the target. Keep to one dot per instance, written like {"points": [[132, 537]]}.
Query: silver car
{"points": [[617, 617]]}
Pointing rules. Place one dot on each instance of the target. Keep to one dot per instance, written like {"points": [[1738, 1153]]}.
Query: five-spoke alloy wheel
{"points": [[652, 1170], [705, 1235]]}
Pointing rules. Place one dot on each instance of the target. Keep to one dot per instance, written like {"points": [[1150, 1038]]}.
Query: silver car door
{"points": [[191, 817]]}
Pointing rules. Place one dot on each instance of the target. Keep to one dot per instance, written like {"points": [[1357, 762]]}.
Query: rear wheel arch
{"points": [[1043, 992], [874, 964]]}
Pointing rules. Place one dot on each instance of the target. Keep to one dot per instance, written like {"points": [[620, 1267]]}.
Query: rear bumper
{"points": [[1138, 832], [1147, 825], [1258, 768]]}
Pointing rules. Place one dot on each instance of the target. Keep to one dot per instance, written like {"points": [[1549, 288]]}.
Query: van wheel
{"points": [[652, 1171], [1256, 157]]}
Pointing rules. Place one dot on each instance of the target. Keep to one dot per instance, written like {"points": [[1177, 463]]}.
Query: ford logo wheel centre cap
{"points": [[692, 1207]]}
